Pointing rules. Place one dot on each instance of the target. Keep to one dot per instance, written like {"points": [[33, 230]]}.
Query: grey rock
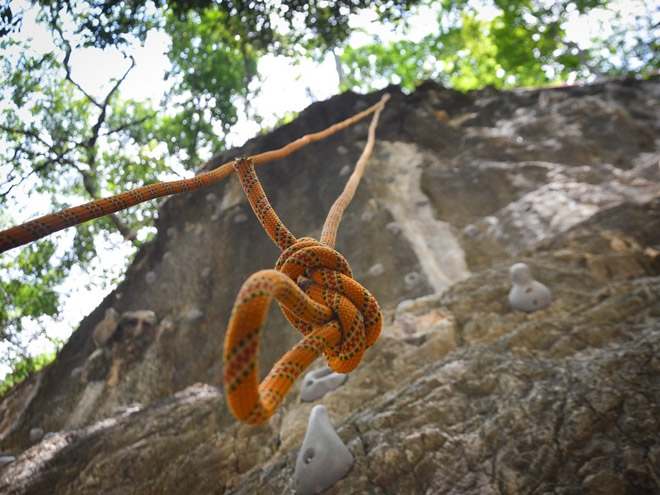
{"points": [[106, 327], [323, 459], [319, 382], [460, 395], [96, 366], [135, 323]]}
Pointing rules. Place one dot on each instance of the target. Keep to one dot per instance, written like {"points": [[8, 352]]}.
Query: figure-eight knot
{"points": [[315, 289]]}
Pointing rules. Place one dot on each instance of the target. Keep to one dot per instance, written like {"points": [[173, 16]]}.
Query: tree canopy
{"points": [[63, 143]]}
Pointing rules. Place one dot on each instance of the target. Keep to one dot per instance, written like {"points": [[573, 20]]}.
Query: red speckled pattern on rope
{"points": [[314, 287]]}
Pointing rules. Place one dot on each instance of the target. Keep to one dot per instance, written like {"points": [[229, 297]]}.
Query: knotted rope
{"points": [[315, 289], [311, 281]]}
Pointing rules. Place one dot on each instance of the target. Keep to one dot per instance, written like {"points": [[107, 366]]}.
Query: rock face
{"points": [[461, 394]]}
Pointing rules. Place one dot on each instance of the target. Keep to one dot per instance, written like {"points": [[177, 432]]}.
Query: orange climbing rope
{"points": [[315, 289], [311, 281], [54, 222]]}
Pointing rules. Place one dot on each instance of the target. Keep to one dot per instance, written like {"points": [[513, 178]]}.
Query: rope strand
{"points": [[314, 287], [54, 222]]}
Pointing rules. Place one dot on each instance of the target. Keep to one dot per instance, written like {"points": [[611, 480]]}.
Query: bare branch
{"points": [[582, 55], [67, 66], [91, 142], [59, 157], [128, 125]]}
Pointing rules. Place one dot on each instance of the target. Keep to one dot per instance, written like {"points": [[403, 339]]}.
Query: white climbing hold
{"points": [[194, 314], [36, 434], [345, 170], [240, 217], [527, 294], [376, 270], [412, 279], [319, 382], [323, 459]]}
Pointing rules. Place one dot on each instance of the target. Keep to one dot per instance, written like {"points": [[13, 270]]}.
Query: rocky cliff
{"points": [[460, 394]]}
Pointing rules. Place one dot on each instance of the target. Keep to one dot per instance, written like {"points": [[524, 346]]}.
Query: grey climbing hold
{"points": [[367, 216], [6, 459], [393, 228], [194, 314], [240, 217], [319, 382], [345, 170], [376, 270], [412, 279], [323, 459], [527, 294], [36, 434], [150, 277], [76, 373]]}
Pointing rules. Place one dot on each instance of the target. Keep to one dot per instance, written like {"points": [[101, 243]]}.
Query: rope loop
{"points": [[315, 289], [325, 276]]}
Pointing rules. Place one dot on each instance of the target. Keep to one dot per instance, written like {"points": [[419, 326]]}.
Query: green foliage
{"points": [[8, 21], [211, 70], [62, 146], [24, 367], [523, 44], [462, 56]]}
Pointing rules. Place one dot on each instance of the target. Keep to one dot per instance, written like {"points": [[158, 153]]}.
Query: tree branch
{"points": [[127, 125], [67, 67], [59, 157], [91, 142], [582, 55]]}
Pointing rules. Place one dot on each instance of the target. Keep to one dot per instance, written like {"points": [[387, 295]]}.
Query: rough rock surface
{"points": [[460, 394]]}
